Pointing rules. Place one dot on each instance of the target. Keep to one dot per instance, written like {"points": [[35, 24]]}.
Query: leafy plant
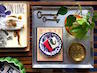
{"points": [[79, 25], [70, 20]]}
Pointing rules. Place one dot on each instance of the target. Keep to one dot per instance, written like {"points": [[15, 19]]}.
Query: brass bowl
{"points": [[77, 52]]}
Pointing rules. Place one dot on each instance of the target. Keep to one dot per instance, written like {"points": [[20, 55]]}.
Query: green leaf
{"points": [[76, 29], [94, 17], [85, 25], [81, 34], [88, 16], [70, 20], [81, 21], [62, 11], [92, 25], [80, 30]]}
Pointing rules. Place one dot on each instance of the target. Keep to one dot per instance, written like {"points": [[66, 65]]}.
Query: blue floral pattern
{"points": [[3, 11]]}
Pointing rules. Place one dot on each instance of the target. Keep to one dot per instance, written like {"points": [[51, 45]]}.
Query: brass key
{"points": [[45, 19], [40, 15]]}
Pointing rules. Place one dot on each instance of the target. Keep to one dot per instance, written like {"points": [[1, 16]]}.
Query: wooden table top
{"points": [[26, 57]]}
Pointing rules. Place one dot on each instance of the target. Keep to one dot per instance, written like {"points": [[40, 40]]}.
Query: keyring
{"points": [[39, 14], [44, 19]]}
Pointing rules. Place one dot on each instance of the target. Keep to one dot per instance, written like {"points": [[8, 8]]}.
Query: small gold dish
{"points": [[77, 52]]}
